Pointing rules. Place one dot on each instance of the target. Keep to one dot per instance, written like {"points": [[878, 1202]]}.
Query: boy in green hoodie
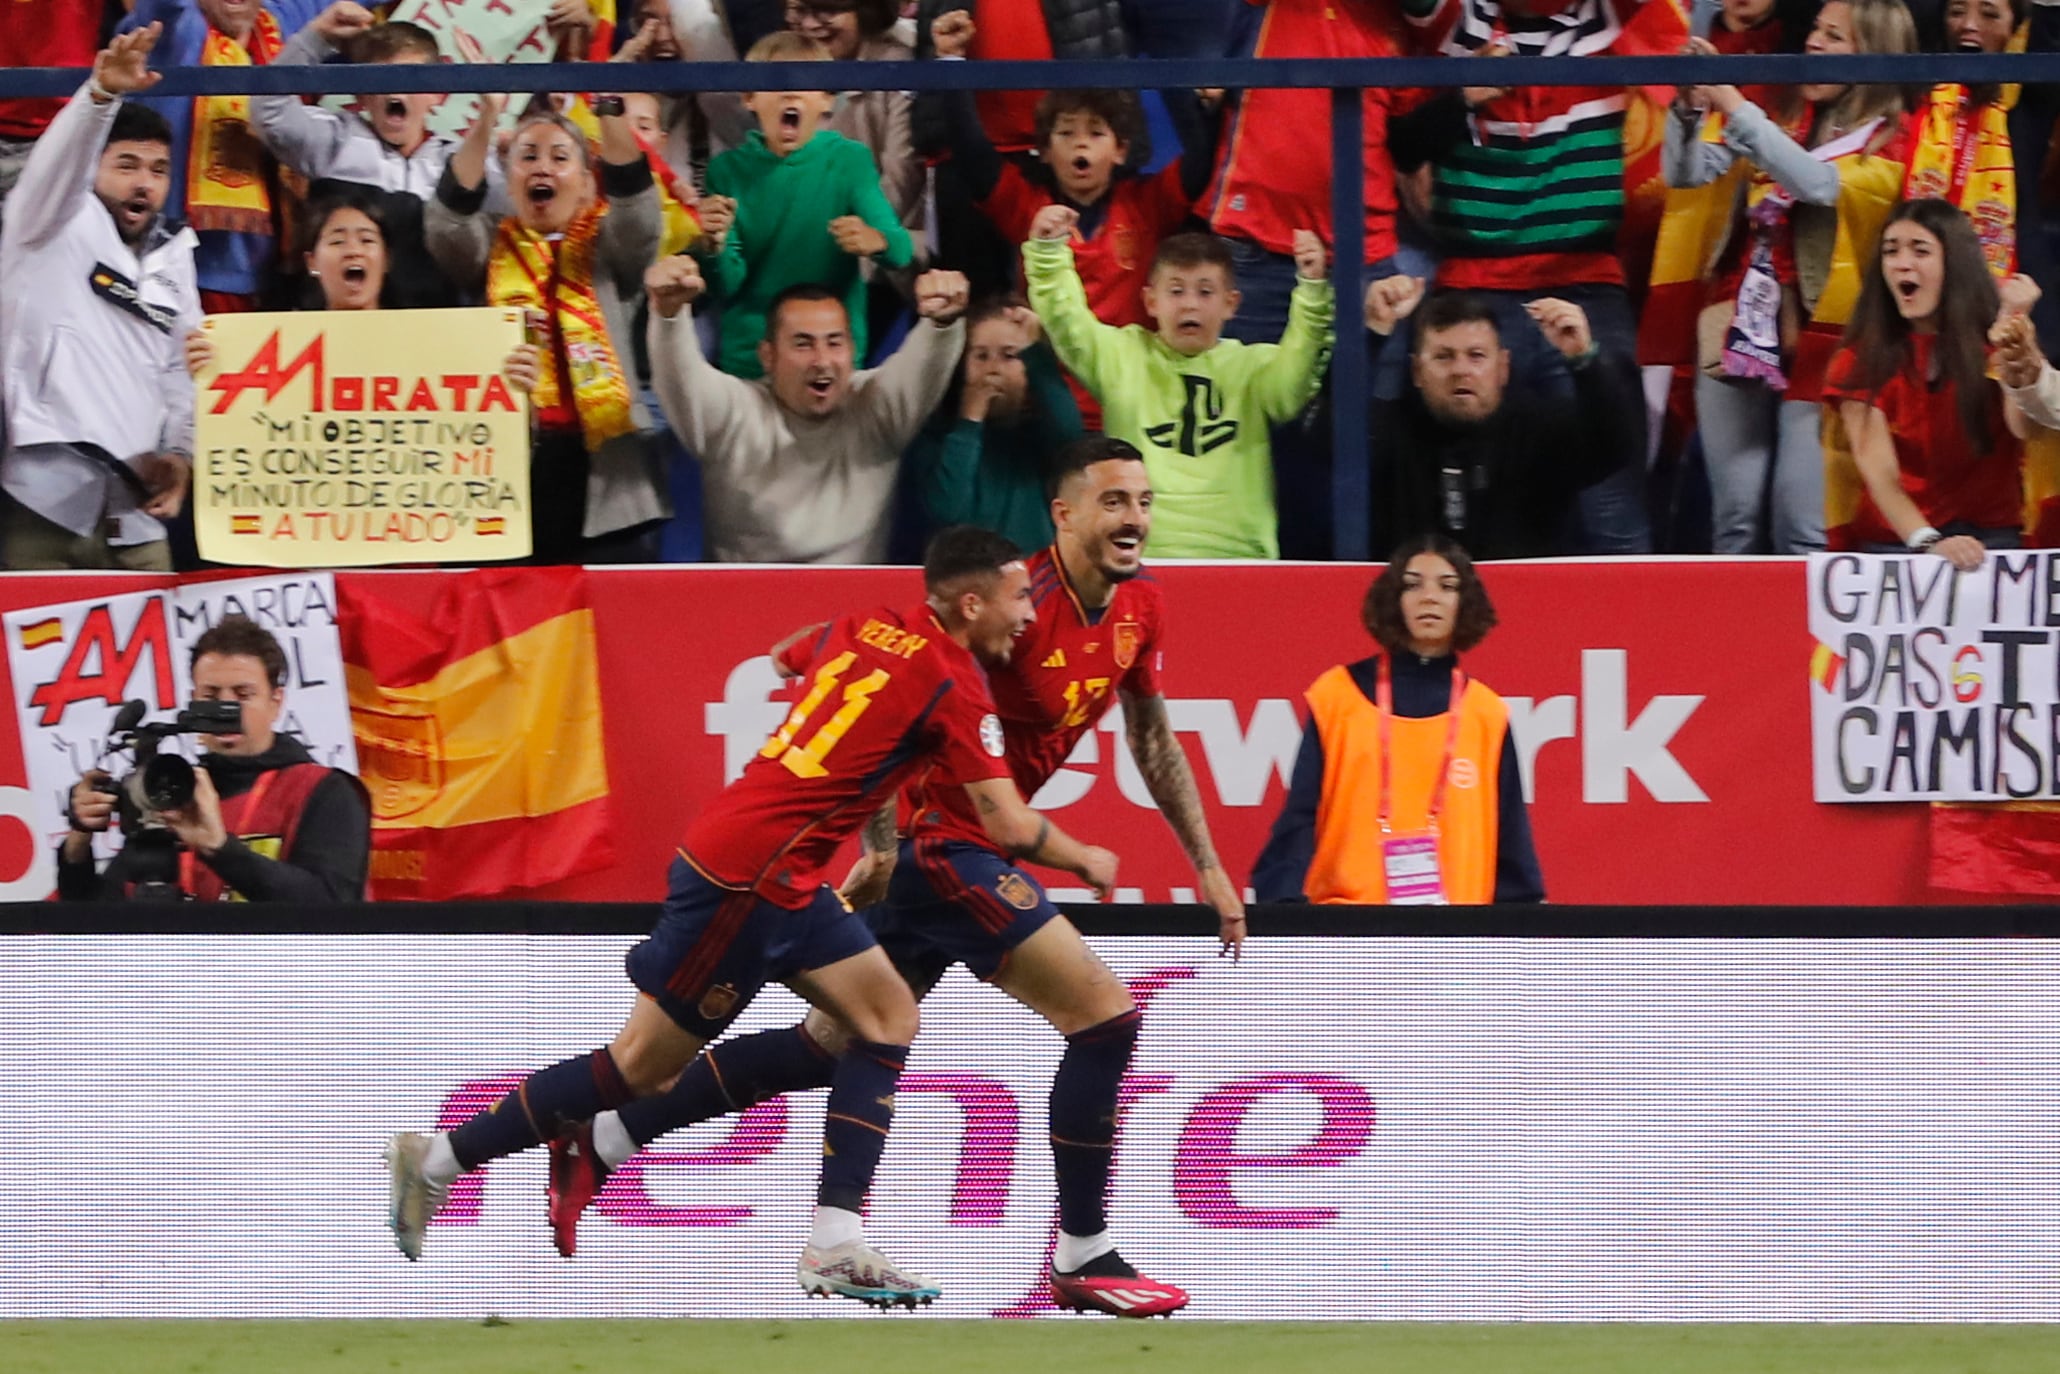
{"points": [[808, 209], [1197, 405]]}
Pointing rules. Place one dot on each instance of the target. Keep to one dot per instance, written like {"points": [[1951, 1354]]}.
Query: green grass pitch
{"points": [[901, 1345]]}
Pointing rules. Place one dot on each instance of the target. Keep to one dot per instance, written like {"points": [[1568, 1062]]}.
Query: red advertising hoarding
{"points": [[1661, 707]]}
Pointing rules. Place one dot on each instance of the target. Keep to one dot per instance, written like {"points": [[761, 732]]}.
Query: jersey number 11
{"points": [[806, 760]]}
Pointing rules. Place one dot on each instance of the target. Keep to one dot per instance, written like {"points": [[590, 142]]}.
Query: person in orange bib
{"points": [[1406, 790]]}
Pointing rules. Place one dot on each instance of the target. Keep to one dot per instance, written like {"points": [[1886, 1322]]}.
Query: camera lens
{"points": [[167, 782]]}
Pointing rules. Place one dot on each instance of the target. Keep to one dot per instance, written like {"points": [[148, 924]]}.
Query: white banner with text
{"points": [[1929, 683]]}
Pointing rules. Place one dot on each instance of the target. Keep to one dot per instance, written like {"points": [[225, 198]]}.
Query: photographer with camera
{"points": [[259, 820]]}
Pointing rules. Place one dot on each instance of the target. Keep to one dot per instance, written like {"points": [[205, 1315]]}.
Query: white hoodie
{"points": [[78, 366]]}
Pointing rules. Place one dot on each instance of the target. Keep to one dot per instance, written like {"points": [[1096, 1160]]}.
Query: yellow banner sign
{"points": [[353, 438]]}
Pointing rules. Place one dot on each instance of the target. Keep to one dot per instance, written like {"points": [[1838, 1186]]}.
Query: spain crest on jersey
{"points": [[1129, 635]]}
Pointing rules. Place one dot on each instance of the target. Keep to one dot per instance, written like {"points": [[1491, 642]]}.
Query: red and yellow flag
{"points": [[479, 733]]}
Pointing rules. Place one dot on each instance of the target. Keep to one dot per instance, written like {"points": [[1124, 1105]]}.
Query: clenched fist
{"points": [[1054, 224], [1390, 301], [673, 283], [2018, 358], [856, 237], [952, 34], [1312, 259], [941, 296], [342, 20]]}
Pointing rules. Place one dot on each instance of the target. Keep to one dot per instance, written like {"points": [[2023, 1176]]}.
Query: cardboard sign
{"points": [[353, 439]]}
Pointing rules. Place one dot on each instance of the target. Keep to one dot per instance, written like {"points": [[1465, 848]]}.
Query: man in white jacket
{"points": [[97, 296], [799, 466]]}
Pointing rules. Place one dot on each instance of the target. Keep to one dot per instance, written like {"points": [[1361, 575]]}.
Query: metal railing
{"points": [[1344, 78]]}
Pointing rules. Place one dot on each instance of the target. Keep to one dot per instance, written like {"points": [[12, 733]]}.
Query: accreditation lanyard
{"points": [[1410, 862], [1384, 700]]}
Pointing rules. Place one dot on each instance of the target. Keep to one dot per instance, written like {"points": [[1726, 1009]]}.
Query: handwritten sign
{"points": [[1932, 684], [74, 663], [356, 438]]}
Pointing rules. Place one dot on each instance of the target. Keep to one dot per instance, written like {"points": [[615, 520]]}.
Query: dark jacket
{"points": [[1423, 688], [1505, 488], [1078, 29], [331, 846]]}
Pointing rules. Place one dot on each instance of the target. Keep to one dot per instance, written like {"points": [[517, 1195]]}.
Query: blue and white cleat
{"points": [[856, 1270]]}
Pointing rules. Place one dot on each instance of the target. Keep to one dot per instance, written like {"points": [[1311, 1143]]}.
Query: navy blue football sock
{"points": [[1083, 1119], [542, 1104], [730, 1077], [861, 1111]]}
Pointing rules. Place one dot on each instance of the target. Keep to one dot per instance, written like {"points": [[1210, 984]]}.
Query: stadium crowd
{"points": [[798, 326]]}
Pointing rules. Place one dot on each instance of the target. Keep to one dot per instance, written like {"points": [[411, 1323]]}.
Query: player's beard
{"points": [[1109, 567]]}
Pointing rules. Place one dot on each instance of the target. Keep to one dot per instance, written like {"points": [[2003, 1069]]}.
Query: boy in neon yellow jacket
{"points": [[1198, 406]]}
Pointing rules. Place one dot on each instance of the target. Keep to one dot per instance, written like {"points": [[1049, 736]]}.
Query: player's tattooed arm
{"points": [[867, 882], [880, 836], [1163, 765], [1022, 833]]}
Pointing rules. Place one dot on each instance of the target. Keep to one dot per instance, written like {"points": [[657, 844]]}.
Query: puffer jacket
{"points": [[1078, 28]]}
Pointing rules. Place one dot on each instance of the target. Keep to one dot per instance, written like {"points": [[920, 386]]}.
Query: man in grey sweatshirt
{"points": [[799, 466]]}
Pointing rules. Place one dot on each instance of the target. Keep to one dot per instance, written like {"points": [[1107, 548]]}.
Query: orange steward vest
{"points": [[1348, 866]]}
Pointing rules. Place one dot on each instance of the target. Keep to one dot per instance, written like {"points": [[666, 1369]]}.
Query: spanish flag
{"points": [[478, 728], [42, 632], [245, 524], [1825, 665]]}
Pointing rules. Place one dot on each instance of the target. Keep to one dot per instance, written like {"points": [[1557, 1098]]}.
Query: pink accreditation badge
{"points": [[1409, 861]]}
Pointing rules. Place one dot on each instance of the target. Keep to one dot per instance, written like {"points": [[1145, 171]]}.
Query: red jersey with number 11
{"points": [[1061, 679], [883, 696]]}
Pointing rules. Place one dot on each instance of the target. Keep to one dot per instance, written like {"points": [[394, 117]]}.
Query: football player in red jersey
{"points": [[889, 694], [954, 896]]}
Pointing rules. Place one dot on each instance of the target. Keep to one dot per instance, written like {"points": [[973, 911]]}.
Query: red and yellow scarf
{"points": [[554, 278], [228, 172], [1960, 153]]}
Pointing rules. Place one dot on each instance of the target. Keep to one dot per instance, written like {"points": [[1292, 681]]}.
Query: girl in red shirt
{"points": [[1938, 445]]}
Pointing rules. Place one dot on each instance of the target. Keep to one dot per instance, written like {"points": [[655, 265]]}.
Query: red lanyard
{"points": [[1384, 701]]}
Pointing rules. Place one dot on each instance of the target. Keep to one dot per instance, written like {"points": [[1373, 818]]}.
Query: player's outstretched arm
{"points": [[1163, 765], [1026, 834], [781, 658]]}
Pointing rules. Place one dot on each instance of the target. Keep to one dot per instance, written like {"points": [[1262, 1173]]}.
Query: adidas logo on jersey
{"points": [[1057, 659]]}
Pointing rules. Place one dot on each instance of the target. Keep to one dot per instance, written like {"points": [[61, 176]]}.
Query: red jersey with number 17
{"points": [[883, 696], [1061, 679]]}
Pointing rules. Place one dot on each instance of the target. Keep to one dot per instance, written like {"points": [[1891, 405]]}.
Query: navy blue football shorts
{"points": [[956, 903], [715, 947]]}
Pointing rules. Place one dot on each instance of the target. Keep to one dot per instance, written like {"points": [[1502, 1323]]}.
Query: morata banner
{"points": [[355, 439], [1929, 683]]}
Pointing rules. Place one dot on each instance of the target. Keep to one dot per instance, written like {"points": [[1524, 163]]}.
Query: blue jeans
{"points": [[1766, 468]]}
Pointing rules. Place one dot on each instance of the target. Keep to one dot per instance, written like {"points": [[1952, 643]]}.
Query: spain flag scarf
{"points": [[553, 276], [228, 172]]}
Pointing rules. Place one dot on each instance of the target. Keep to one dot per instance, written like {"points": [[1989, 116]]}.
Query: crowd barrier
{"points": [[1351, 471], [1480, 1115]]}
